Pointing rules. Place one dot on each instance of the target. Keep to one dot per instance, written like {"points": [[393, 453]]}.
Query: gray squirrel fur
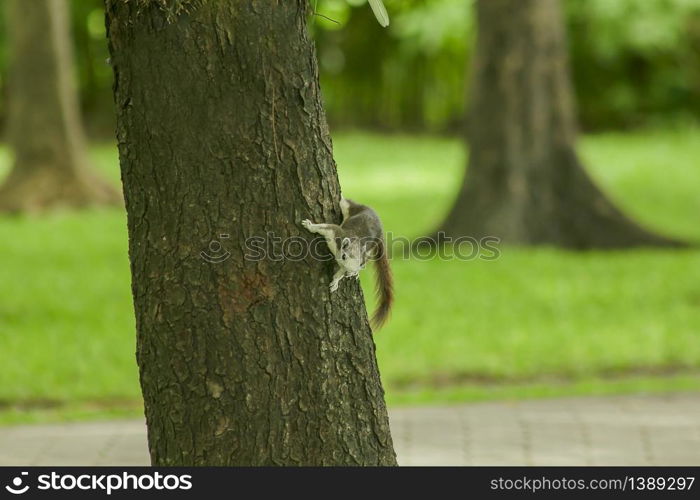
{"points": [[358, 239]]}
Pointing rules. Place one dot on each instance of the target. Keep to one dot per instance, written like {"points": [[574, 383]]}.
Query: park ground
{"points": [[658, 429], [533, 323]]}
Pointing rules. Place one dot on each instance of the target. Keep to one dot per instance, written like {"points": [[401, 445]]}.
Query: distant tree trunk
{"points": [[221, 131], [524, 182], [44, 128]]}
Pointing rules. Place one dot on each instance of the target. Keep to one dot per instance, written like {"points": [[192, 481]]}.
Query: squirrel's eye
{"points": [[343, 257]]}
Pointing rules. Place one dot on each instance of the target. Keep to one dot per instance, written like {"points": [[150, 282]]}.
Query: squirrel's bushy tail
{"points": [[385, 288]]}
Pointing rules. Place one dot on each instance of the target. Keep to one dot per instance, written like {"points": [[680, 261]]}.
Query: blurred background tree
{"points": [[525, 182], [51, 166], [94, 75], [634, 63]]}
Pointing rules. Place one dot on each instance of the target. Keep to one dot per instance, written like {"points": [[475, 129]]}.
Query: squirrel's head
{"points": [[352, 255]]}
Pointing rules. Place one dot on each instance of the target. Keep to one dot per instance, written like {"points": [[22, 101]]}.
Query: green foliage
{"points": [[3, 66], [635, 62], [535, 315], [94, 74], [410, 76]]}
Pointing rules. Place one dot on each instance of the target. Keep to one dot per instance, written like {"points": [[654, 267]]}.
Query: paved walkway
{"points": [[626, 430]]}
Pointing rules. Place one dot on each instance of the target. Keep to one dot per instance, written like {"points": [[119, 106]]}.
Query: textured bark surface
{"points": [[221, 130], [44, 127], [525, 183]]}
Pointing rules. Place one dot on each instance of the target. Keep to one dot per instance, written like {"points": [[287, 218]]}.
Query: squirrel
{"points": [[359, 238]]}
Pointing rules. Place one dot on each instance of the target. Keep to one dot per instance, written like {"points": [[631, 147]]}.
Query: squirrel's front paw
{"points": [[334, 286], [307, 223]]}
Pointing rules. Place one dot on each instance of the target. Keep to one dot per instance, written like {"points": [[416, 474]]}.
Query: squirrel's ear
{"points": [[370, 248], [345, 243]]}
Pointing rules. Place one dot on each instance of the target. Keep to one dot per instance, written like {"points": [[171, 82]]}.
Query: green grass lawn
{"points": [[535, 322]]}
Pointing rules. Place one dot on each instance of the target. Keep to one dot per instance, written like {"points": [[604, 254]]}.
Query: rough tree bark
{"points": [[525, 183], [221, 130], [51, 168]]}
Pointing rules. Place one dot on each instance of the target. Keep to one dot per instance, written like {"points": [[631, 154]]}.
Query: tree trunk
{"points": [[44, 128], [221, 131], [525, 183]]}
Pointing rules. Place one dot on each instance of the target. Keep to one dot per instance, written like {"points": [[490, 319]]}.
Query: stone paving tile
{"points": [[624, 430]]}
